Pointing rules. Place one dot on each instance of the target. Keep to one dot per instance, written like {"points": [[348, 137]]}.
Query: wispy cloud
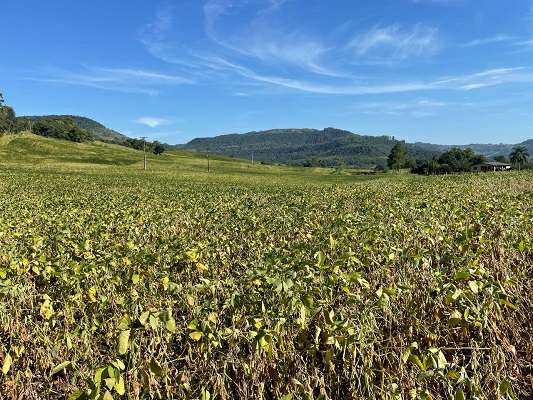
{"points": [[488, 40], [267, 54], [417, 109], [477, 80], [394, 42], [152, 122], [262, 39], [127, 80]]}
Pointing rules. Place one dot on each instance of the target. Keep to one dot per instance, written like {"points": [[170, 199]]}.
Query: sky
{"points": [[440, 71]]}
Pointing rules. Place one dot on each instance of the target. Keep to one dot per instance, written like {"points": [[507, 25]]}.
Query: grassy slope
{"points": [[30, 150]]}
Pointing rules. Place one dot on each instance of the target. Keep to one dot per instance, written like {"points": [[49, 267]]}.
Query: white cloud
{"points": [[393, 42], [152, 122], [417, 109], [127, 80], [488, 40], [265, 54]]}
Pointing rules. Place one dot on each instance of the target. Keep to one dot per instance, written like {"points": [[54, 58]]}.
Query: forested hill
{"points": [[96, 129], [329, 147]]}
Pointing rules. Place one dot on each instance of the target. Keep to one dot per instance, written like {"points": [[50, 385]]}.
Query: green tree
{"points": [[519, 156], [158, 148], [7, 117], [61, 128], [501, 159], [397, 157]]}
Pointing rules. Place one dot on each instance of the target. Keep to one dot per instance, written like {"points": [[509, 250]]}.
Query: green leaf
{"points": [[8, 361], [60, 367], [205, 394], [416, 360], [441, 360], [459, 394], [107, 396], [153, 322], [171, 324], [78, 395], [473, 287], [135, 278], [120, 385], [123, 342], [406, 354], [462, 275], [98, 376], [155, 368], [196, 335], [144, 317]]}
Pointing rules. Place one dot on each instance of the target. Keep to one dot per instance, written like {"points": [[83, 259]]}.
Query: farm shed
{"points": [[491, 166]]}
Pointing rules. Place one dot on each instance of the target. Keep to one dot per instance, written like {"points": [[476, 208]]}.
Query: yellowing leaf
{"points": [[196, 335], [46, 310], [60, 367], [123, 341], [91, 293], [201, 266], [120, 385], [7, 364]]}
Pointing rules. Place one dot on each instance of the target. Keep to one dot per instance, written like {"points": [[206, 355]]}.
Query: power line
{"points": [[144, 150]]}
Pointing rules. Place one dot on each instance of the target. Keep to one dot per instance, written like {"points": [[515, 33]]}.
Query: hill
{"points": [[328, 147], [37, 152], [96, 129]]}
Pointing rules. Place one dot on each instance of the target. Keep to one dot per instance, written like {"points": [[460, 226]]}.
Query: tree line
{"points": [[454, 160], [60, 128]]}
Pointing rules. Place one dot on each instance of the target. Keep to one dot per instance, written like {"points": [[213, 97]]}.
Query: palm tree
{"points": [[519, 156]]}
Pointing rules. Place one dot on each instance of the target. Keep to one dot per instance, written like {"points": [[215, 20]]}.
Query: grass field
{"points": [[258, 282]]}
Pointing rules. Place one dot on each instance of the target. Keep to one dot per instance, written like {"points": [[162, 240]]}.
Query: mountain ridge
{"points": [[328, 147], [95, 128]]}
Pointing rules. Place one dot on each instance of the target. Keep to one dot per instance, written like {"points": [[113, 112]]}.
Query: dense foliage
{"points": [[519, 156], [117, 284], [307, 147], [7, 117], [454, 160], [97, 130], [398, 157], [328, 147], [60, 129]]}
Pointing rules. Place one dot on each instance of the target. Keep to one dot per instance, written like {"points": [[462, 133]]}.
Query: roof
{"points": [[493, 164]]}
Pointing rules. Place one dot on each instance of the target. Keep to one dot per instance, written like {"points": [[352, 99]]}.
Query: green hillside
{"points": [[327, 147], [31, 151], [99, 131]]}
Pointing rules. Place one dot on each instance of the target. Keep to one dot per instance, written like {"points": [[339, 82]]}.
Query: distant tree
{"points": [[61, 129], [519, 156], [459, 160], [479, 159], [7, 117], [397, 157], [158, 148], [501, 159]]}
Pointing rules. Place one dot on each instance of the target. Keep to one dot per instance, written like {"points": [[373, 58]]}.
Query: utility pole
{"points": [[144, 150], [252, 158]]}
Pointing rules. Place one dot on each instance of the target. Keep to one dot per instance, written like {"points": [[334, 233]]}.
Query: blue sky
{"points": [[442, 71]]}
